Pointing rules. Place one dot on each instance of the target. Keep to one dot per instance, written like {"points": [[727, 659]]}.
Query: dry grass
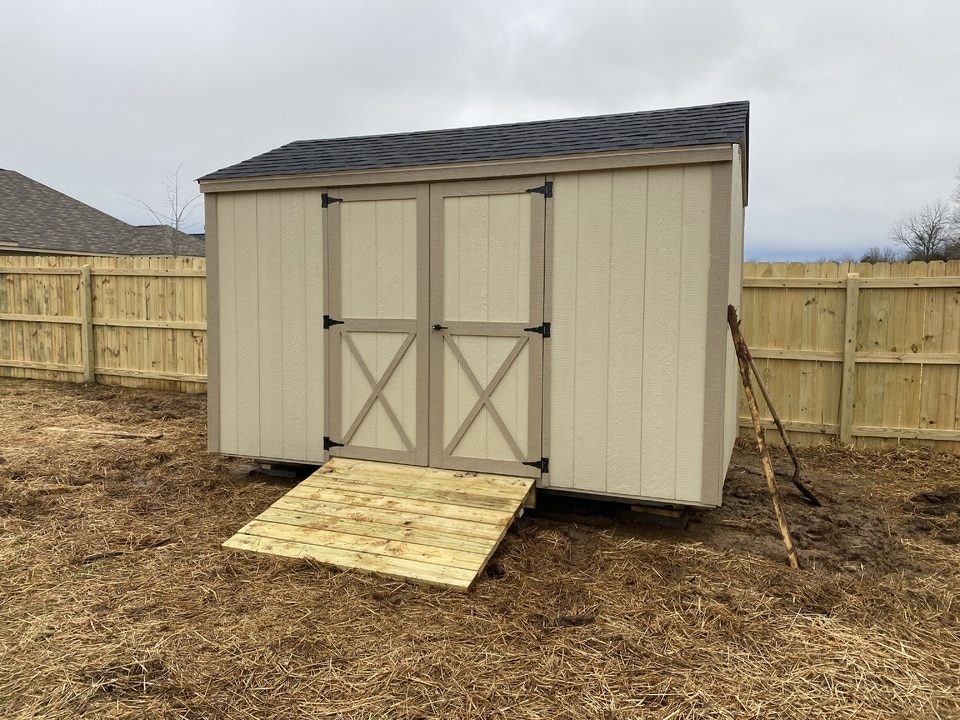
{"points": [[116, 599]]}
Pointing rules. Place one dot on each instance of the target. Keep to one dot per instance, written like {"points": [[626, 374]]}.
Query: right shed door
{"points": [[486, 315]]}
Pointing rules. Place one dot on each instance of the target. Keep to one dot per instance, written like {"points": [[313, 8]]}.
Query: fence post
{"points": [[849, 381], [86, 324]]}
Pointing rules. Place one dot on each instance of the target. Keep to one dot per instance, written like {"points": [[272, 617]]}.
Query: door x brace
{"points": [[483, 398], [377, 387]]}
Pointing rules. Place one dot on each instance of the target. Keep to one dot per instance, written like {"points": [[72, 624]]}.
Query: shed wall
{"points": [[631, 254], [270, 324]]}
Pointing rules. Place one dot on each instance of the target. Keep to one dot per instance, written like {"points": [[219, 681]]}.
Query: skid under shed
{"points": [[422, 525]]}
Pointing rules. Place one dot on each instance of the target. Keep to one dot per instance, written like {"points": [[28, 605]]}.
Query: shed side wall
{"points": [[270, 274], [630, 262]]}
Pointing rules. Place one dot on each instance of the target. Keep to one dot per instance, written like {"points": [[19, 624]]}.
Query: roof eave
{"points": [[645, 157]]}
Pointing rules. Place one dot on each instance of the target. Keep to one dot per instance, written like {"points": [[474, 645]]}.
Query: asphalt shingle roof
{"points": [[680, 127], [34, 217]]}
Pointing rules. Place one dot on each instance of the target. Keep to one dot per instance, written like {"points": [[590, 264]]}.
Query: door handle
{"points": [[438, 326]]}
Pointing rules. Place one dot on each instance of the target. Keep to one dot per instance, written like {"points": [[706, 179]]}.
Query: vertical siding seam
{"points": [[606, 428], [573, 332], [643, 319], [236, 314], [256, 269], [676, 433], [486, 340], [403, 313], [518, 223], [282, 362], [306, 322]]}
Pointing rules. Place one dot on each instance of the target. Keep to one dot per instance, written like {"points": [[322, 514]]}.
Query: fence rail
{"points": [[869, 353], [118, 320]]}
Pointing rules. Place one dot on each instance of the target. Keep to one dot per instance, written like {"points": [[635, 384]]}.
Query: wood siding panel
{"points": [[270, 283], [661, 336], [627, 310], [693, 336], [270, 254], [293, 324], [247, 325], [592, 330], [630, 260], [227, 250]]}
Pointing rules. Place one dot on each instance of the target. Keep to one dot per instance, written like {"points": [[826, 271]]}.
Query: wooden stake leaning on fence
{"points": [[743, 360], [795, 479]]}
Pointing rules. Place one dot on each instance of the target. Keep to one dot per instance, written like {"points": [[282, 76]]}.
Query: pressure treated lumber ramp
{"points": [[422, 525]]}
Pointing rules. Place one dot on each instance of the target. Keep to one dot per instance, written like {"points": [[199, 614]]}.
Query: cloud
{"points": [[853, 121]]}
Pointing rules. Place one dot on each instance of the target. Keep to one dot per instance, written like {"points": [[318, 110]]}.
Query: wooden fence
{"points": [[869, 353], [132, 321]]}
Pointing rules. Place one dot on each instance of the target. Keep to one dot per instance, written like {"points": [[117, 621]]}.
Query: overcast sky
{"points": [[855, 115]]}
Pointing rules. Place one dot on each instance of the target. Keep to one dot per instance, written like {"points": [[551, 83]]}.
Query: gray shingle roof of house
{"points": [[680, 127], [37, 218]]}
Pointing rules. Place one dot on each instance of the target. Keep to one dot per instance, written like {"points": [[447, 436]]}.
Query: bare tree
{"points": [[175, 214], [926, 233], [955, 215], [877, 254]]}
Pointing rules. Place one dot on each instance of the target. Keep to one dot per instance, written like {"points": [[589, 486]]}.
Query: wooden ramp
{"points": [[435, 527]]}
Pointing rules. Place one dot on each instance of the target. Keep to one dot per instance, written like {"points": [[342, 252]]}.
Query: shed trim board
{"points": [[473, 171], [213, 323], [630, 258]]}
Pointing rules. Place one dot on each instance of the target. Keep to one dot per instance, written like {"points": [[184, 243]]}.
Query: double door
{"points": [[435, 328]]}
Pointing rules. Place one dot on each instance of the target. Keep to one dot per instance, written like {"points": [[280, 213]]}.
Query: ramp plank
{"points": [[459, 528], [422, 525], [414, 490]]}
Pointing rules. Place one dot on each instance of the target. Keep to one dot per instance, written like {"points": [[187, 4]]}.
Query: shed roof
{"points": [[724, 123], [37, 218]]}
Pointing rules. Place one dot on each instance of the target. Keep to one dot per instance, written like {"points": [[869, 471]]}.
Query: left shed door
{"points": [[378, 332]]}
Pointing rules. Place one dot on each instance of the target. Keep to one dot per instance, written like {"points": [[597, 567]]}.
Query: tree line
{"points": [[931, 232]]}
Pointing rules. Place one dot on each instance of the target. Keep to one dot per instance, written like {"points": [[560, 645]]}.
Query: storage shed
{"points": [[541, 299]]}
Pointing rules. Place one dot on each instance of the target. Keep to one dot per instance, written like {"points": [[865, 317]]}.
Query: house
{"points": [[38, 220], [541, 299]]}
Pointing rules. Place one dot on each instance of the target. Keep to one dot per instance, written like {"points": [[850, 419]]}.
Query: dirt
{"points": [[117, 600]]}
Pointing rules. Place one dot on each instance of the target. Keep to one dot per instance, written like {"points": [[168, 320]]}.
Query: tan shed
{"points": [[543, 299]]}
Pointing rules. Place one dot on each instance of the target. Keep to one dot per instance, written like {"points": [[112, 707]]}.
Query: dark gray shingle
{"points": [[701, 125], [37, 218]]}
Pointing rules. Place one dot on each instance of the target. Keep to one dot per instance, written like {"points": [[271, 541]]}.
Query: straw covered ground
{"points": [[117, 601]]}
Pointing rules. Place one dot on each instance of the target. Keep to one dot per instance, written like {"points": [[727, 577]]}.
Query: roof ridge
{"points": [[522, 123]]}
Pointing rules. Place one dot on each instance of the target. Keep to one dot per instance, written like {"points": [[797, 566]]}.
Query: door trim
{"points": [[438, 193], [418, 327]]}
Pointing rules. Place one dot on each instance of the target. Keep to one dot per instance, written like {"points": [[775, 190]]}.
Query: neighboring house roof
{"points": [[725, 123], [36, 218], [176, 242]]}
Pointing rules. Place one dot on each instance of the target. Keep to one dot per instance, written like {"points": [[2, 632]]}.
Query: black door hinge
{"points": [[546, 189], [325, 200], [329, 322], [328, 444], [540, 330], [543, 465]]}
